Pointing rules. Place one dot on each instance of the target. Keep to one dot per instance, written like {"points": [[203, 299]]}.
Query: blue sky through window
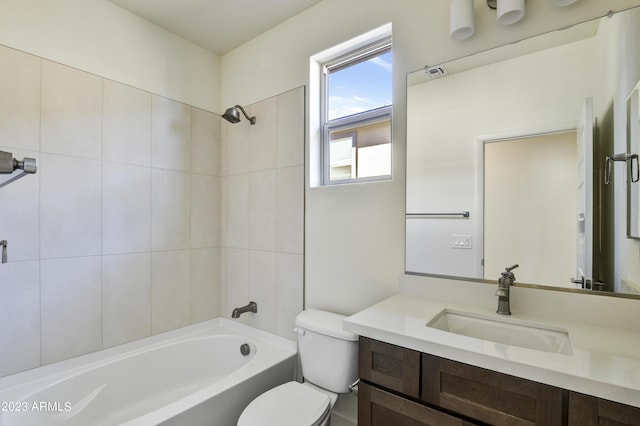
{"points": [[361, 87]]}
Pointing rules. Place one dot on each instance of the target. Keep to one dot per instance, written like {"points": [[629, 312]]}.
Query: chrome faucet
{"points": [[251, 307], [504, 284]]}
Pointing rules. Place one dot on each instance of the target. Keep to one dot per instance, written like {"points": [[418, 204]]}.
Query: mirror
{"points": [[505, 159]]}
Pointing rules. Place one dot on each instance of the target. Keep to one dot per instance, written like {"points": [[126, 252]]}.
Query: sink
{"points": [[508, 331]]}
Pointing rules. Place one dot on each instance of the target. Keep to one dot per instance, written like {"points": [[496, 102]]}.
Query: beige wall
{"points": [[529, 208], [445, 159], [102, 38], [354, 238]]}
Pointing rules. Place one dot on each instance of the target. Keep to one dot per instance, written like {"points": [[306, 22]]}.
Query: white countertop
{"points": [[605, 360]]}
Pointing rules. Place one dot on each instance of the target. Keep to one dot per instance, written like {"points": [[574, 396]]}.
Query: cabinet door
{"points": [[390, 366], [587, 410], [488, 396], [380, 408]]}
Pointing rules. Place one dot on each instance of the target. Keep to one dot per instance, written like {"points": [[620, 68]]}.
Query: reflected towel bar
{"points": [[630, 159], [463, 214]]}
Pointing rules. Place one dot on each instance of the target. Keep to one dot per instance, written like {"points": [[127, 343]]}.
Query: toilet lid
{"points": [[290, 404]]}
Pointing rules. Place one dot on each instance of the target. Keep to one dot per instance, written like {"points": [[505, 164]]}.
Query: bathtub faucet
{"points": [[251, 307]]}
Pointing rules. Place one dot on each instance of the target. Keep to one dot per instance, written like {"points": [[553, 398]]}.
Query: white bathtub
{"points": [[192, 376]]}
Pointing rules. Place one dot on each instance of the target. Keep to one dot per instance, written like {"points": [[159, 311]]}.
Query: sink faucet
{"points": [[504, 284], [251, 307]]}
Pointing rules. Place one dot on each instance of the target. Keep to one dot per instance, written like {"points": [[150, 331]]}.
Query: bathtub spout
{"points": [[251, 307]]}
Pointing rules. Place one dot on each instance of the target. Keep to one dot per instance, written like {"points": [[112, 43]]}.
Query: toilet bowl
{"points": [[290, 404], [328, 356]]}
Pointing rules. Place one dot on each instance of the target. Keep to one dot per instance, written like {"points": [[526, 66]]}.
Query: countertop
{"points": [[605, 360]]}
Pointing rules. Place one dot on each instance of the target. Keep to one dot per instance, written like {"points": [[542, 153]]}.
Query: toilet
{"points": [[329, 358]]}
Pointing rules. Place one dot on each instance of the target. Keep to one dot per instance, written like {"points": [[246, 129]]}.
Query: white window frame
{"points": [[367, 117]]}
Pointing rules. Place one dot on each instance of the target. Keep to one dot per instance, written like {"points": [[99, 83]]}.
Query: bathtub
{"points": [[196, 375]]}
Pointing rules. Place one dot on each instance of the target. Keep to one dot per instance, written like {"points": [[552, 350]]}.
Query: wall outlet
{"points": [[461, 241]]}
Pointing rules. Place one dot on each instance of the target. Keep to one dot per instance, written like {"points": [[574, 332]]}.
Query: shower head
{"points": [[233, 116]]}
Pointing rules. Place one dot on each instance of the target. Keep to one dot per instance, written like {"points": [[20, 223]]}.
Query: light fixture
{"points": [[510, 11], [461, 19], [233, 116], [562, 3]]}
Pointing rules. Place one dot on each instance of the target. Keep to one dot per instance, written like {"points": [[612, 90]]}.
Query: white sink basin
{"points": [[508, 331]]}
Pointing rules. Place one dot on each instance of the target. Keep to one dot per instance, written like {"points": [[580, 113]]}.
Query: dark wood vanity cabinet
{"points": [[389, 390], [381, 408], [585, 410], [403, 387], [488, 396]]}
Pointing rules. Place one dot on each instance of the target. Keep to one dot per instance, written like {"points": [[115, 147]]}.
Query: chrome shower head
{"points": [[233, 116]]}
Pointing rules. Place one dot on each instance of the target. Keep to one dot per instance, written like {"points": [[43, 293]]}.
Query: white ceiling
{"points": [[217, 25]]}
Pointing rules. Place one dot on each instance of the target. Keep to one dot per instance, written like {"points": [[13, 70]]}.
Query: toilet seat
{"points": [[290, 404]]}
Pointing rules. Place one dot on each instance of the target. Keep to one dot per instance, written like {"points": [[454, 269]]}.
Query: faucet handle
{"points": [[509, 269], [507, 272]]}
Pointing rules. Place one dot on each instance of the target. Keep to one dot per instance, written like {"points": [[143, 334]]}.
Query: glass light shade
{"points": [[461, 19], [510, 11]]}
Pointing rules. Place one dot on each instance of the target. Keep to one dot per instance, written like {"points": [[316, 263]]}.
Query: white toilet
{"points": [[329, 357]]}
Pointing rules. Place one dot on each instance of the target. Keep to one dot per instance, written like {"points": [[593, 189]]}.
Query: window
{"points": [[356, 115]]}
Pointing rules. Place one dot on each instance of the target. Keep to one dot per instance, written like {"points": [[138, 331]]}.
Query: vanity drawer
{"points": [[489, 396], [585, 410], [390, 366], [377, 407]]}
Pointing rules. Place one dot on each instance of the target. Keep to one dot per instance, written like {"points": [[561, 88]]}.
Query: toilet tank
{"points": [[328, 354]]}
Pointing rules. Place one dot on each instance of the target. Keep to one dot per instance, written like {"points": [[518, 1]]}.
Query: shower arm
{"points": [[8, 165], [252, 120]]}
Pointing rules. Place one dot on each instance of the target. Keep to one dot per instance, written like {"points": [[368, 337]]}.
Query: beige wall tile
{"points": [[205, 211], [71, 307], [263, 134], [290, 121], [71, 111], [70, 206], [262, 210], [126, 208], [170, 134], [170, 210], [20, 77], [170, 298], [205, 284], [19, 316], [126, 298], [126, 130], [205, 142], [290, 210]]}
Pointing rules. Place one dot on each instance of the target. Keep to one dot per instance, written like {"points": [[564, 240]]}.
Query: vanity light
{"points": [[510, 11], [562, 3], [461, 19]]}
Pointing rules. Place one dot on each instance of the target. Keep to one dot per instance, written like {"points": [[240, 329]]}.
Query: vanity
{"points": [[511, 163], [424, 360]]}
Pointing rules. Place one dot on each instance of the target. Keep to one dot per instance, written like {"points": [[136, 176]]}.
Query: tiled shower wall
{"points": [[263, 212], [118, 235]]}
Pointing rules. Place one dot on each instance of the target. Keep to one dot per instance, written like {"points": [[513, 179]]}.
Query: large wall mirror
{"points": [[505, 159]]}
